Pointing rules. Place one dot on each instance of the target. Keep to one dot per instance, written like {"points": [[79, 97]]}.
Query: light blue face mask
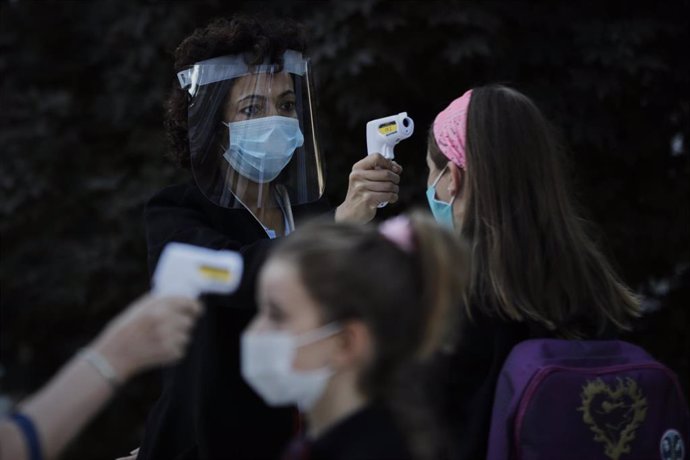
{"points": [[442, 211], [261, 148]]}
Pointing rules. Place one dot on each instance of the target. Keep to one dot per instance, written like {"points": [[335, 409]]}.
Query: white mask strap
{"points": [[439, 176], [434, 185], [320, 333]]}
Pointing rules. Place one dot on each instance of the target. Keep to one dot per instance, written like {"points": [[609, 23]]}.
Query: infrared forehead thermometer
{"points": [[190, 271], [384, 133]]}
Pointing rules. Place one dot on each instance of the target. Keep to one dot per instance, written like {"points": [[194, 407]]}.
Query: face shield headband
{"points": [[233, 66]]}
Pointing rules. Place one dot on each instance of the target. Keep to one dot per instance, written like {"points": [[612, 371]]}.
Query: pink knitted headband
{"points": [[450, 129]]}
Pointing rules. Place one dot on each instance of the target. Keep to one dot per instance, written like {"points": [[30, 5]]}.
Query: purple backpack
{"points": [[587, 400]]}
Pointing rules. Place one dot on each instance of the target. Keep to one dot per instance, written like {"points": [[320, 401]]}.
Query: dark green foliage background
{"points": [[82, 146]]}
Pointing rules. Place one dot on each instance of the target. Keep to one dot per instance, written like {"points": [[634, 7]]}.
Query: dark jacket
{"points": [[465, 381], [206, 411], [371, 433]]}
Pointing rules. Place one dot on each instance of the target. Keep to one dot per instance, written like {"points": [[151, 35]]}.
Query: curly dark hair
{"points": [[256, 37]]}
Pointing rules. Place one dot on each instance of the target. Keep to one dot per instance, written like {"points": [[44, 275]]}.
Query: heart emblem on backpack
{"points": [[613, 414]]}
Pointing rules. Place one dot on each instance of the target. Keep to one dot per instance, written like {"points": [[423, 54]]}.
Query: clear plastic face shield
{"points": [[252, 131]]}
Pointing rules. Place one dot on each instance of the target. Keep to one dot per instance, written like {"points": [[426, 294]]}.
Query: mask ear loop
{"points": [[320, 333], [450, 203], [438, 178]]}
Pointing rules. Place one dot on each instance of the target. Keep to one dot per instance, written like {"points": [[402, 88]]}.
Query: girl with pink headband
{"points": [[496, 177]]}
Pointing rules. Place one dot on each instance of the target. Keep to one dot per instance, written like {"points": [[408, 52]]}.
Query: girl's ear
{"points": [[457, 178], [354, 346], [456, 186]]}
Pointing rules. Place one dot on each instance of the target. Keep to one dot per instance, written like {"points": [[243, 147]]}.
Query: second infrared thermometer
{"points": [[384, 133]]}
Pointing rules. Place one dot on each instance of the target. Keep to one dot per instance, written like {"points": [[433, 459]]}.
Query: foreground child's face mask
{"points": [[266, 364]]}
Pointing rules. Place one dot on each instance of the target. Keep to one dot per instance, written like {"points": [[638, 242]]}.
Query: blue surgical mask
{"points": [[261, 148], [442, 211]]}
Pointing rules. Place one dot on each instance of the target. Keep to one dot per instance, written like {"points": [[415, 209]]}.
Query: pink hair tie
{"points": [[398, 231], [450, 129]]}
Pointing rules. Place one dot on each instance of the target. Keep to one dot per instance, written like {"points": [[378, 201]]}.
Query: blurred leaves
{"points": [[82, 147]]}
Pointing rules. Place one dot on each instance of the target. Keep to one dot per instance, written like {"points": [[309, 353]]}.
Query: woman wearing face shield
{"points": [[496, 177], [240, 117]]}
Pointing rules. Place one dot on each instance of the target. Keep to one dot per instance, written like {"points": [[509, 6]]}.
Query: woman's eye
{"points": [[251, 110], [288, 106]]}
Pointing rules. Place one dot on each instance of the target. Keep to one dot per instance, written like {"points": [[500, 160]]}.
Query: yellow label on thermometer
{"points": [[388, 128], [215, 273]]}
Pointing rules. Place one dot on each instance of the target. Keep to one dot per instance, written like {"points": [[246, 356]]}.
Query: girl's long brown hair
{"points": [[533, 259]]}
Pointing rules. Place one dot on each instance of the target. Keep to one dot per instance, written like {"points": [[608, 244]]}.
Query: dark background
{"points": [[82, 145]]}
